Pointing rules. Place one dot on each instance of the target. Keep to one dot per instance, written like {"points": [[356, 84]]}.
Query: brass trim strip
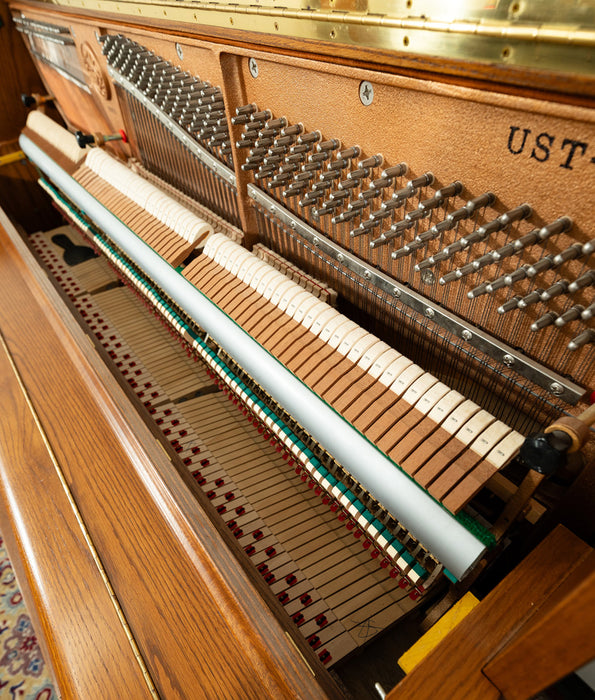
{"points": [[560, 45]]}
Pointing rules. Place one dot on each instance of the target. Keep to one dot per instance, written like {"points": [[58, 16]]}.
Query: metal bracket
{"points": [[560, 387]]}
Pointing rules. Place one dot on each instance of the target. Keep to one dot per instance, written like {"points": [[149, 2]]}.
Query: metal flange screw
{"points": [[366, 93], [508, 360], [556, 388], [253, 67], [466, 335], [430, 313]]}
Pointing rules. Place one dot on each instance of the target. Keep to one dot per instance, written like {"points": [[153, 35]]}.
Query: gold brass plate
{"points": [[554, 35]]}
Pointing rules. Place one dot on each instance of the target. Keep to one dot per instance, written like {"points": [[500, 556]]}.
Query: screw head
{"points": [[316, 241], [366, 93], [556, 388], [180, 51], [367, 275], [292, 224], [466, 334], [340, 257], [397, 293], [430, 313], [508, 360], [253, 67]]}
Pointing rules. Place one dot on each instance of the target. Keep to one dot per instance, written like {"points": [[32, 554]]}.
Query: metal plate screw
{"points": [[508, 360], [397, 293], [179, 51], [430, 313], [340, 257], [366, 92], [556, 388], [367, 275], [253, 67], [316, 241], [467, 335]]}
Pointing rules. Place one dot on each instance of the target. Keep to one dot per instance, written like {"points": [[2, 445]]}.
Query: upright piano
{"points": [[310, 351]]}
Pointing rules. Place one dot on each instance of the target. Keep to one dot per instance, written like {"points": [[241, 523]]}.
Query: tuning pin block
{"points": [[98, 139]]}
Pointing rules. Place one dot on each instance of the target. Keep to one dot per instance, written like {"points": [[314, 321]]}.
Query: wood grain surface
{"points": [[454, 669], [18, 196], [54, 564], [21, 77], [200, 626], [555, 644]]}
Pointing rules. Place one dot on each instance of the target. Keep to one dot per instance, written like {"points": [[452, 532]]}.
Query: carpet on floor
{"points": [[23, 672]]}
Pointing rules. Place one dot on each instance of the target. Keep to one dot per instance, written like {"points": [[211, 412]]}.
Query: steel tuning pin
{"points": [[586, 280], [589, 312], [585, 338], [532, 298], [516, 214], [544, 321], [571, 253], [570, 315], [545, 263], [558, 288], [510, 305]]}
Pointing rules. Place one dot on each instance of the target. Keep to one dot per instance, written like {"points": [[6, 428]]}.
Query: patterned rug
{"points": [[23, 674]]}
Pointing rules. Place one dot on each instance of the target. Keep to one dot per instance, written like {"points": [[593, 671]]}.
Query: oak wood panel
{"points": [[454, 667], [60, 579], [556, 644], [576, 89], [201, 628], [18, 75], [17, 195]]}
